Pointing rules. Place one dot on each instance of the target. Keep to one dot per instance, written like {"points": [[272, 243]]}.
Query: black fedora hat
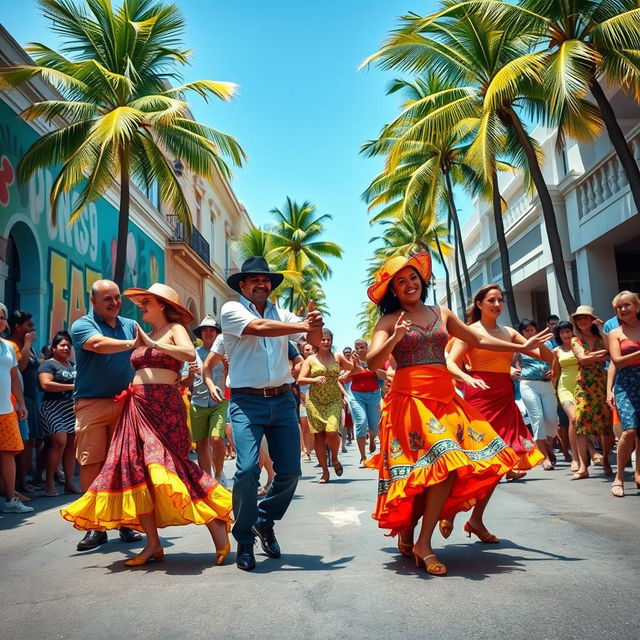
{"points": [[251, 266]]}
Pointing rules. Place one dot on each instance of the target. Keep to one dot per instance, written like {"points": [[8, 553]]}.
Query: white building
{"points": [[597, 221]]}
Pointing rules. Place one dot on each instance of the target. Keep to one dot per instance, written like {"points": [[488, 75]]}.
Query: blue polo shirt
{"points": [[101, 375]]}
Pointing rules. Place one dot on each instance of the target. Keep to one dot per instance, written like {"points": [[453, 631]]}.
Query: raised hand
{"points": [[402, 326], [537, 341], [314, 318]]}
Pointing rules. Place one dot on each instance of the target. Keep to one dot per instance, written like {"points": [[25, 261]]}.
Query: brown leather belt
{"points": [[266, 392]]}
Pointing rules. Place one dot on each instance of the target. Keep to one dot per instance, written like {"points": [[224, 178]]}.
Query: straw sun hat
{"points": [[165, 294], [421, 262], [583, 310]]}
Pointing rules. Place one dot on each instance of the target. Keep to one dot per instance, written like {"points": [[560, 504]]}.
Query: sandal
{"points": [[547, 465], [580, 476], [617, 490], [324, 478], [446, 528], [51, 493], [405, 548], [306, 457], [574, 466], [596, 459], [337, 467], [434, 568]]}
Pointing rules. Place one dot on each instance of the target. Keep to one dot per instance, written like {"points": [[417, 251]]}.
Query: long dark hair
{"points": [[390, 302], [559, 327], [473, 312]]}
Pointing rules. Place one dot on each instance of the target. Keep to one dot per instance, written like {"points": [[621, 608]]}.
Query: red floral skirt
{"points": [[498, 405], [148, 469]]}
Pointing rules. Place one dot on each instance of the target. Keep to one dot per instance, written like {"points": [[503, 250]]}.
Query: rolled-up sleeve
{"points": [[234, 318], [288, 316]]}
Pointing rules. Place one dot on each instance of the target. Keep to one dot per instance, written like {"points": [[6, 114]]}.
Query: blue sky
{"points": [[302, 112]]}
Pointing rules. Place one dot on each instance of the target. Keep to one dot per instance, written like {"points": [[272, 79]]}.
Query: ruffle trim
{"points": [[475, 479], [529, 459], [168, 498]]}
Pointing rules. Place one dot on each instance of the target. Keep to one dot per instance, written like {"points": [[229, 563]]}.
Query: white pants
{"points": [[540, 400]]}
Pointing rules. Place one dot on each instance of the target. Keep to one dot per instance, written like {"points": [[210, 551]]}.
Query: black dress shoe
{"points": [[129, 535], [245, 559], [91, 540], [268, 540]]}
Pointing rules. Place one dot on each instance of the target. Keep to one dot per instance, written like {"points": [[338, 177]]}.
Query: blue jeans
{"points": [[365, 408], [253, 416]]}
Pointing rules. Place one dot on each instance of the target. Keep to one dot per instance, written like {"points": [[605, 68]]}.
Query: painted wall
{"points": [[59, 264]]}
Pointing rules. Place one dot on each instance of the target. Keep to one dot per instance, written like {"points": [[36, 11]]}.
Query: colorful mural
{"points": [[60, 263]]}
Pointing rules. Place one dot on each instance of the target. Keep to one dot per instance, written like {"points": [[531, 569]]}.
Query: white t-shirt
{"points": [[255, 361], [7, 362]]}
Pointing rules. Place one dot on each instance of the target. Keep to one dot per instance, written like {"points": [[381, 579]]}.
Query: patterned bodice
{"points": [[329, 392], [153, 359], [422, 345]]}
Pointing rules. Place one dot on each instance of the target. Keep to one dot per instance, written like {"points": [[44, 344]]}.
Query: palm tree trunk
{"points": [[447, 277], [123, 220], [548, 212], [456, 264], [618, 141], [458, 233], [503, 247]]}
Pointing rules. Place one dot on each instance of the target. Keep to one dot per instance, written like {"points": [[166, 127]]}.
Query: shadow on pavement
{"points": [[477, 561]]}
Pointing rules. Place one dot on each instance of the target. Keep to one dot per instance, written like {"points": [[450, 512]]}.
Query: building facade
{"points": [[48, 270], [596, 217]]}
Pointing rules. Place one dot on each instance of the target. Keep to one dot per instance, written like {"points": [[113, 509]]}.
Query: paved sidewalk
{"points": [[568, 567]]}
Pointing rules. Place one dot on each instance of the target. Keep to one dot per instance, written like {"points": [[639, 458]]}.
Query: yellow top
{"points": [[493, 361]]}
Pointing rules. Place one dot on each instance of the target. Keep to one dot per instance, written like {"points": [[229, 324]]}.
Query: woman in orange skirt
{"points": [[489, 386], [438, 455], [148, 481]]}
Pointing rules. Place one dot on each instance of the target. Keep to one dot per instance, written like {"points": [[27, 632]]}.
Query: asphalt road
{"points": [[567, 567]]}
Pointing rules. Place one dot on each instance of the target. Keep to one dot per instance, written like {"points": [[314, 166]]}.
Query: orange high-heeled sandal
{"points": [[434, 568], [484, 536], [446, 528], [139, 560], [405, 548]]}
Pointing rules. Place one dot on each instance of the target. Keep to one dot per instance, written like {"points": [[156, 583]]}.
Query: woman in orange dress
{"points": [[148, 480], [438, 454], [489, 386]]}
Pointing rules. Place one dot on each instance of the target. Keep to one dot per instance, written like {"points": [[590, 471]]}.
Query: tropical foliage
{"points": [[481, 71], [122, 117], [293, 246]]}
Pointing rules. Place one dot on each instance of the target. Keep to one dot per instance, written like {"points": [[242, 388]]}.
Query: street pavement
{"points": [[567, 567]]}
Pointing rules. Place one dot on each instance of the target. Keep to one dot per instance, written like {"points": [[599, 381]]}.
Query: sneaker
{"points": [[16, 506]]}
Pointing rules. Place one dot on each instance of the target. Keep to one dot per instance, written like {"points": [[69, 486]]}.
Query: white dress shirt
{"points": [[256, 361]]}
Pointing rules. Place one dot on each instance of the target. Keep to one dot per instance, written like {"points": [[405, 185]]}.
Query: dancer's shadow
{"points": [[478, 561], [298, 562]]}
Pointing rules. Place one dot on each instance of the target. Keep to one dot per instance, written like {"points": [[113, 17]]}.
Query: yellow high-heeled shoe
{"points": [[434, 568], [446, 528], [405, 548], [139, 560], [484, 536], [221, 554]]}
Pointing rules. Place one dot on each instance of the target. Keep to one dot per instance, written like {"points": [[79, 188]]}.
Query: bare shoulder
{"points": [[387, 322]]}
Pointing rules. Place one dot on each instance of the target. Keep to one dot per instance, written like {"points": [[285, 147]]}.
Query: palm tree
{"points": [[297, 244], [490, 73], [586, 42], [123, 120]]}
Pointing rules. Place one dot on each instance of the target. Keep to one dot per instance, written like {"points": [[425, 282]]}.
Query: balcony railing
{"points": [[195, 241]]}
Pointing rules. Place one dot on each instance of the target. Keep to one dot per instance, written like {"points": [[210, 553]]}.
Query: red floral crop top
{"points": [[152, 358]]}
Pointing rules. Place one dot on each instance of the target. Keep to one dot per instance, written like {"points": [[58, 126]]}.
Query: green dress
{"points": [[324, 401], [593, 415]]}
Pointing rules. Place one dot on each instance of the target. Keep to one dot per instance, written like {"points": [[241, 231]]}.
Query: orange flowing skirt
{"points": [[148, 470], [428, 431]]}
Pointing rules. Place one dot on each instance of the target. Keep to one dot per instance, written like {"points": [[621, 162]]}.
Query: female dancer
{"points": [[593, 414], [538, 396], [366, 398], [324, 401], [306, 435], [565, 372], [494, 397], [148, 480], [624, 346], [438, 454], [56, 376]]}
